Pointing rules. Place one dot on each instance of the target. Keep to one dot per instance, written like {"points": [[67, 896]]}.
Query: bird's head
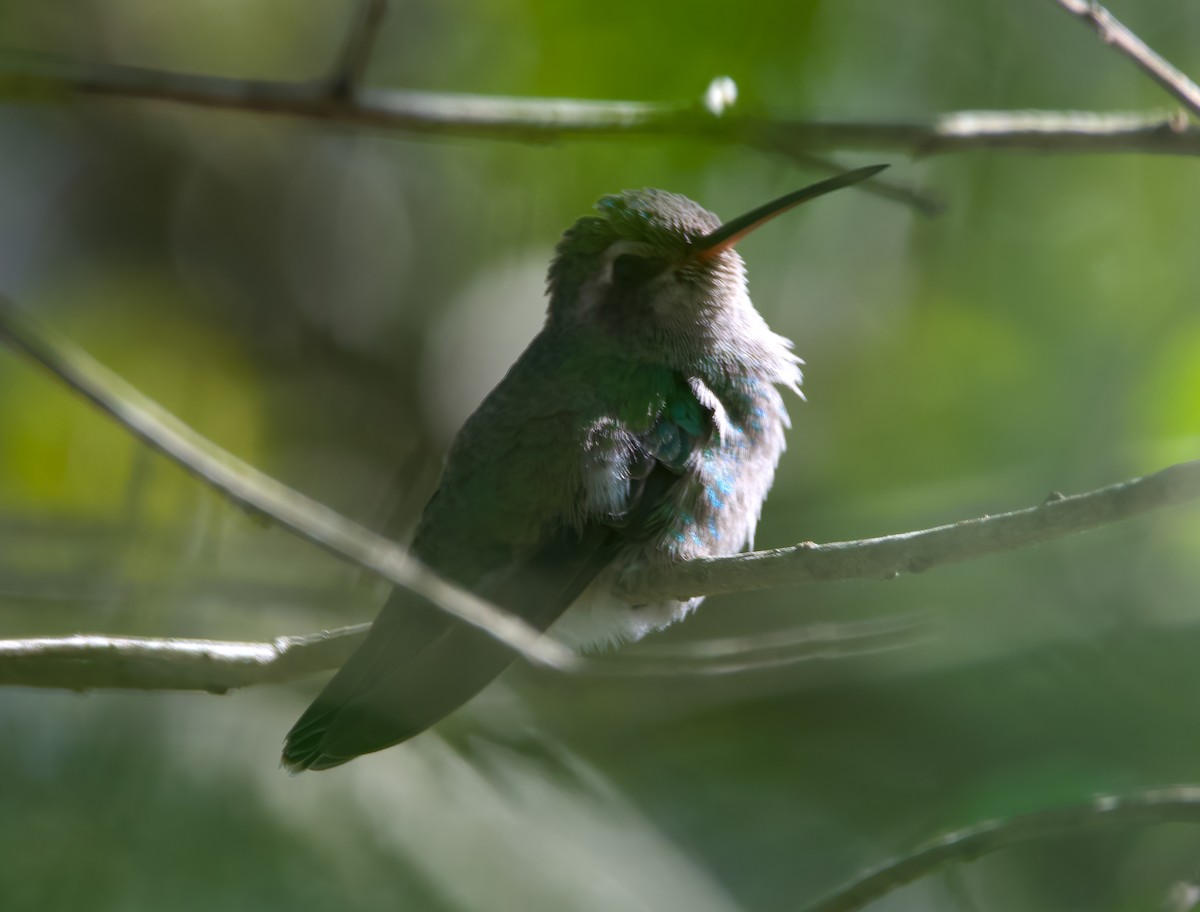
{"points": [[654, 267]]}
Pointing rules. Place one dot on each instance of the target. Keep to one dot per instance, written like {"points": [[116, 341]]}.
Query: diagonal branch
{"points": [[90, 661], [896, 191], [211, 665], [1118, 36], [1151, 807], [542, 120], [257, 492], [356, 54]]}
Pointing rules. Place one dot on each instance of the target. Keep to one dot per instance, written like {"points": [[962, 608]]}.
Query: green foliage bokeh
{"points": [[330, 303]]}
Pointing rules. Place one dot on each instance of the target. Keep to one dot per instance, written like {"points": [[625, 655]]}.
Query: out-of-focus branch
{"points": [[878, 558], [356, 53], [553, 119], [90, 661], [257, 492], [1152, 807], [1115, 34], [894, 190], [84, 662], [915, 552]]}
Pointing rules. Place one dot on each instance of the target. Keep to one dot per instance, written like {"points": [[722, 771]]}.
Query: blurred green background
{"points": [[330, 303]]}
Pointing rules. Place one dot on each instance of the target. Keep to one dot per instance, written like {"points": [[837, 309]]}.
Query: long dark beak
{"points": [[730, 233]]}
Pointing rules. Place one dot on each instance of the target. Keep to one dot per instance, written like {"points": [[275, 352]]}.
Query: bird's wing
{"points": [[419, 663]]}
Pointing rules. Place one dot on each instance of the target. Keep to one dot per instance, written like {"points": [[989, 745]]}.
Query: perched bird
{"points": [[642, 426]]}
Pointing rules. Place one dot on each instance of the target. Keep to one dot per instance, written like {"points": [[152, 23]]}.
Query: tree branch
{"points": [[1152, 807], [1118, 36], [86, 662], [884, 188], [915, 552], [250, 489], [542, 120], [91, 661], [356, 54], [260, 494]]}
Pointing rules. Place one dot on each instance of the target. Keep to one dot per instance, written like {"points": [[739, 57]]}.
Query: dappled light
{"points": [[259, 263]]}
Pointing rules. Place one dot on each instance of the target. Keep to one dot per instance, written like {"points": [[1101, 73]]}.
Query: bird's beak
{"points": [[730, 233]]}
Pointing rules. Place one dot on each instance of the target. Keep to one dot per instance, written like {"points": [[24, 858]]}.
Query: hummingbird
{"points": [[642, 426]]}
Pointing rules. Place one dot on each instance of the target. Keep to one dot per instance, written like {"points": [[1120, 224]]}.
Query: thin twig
{"points": [[762, 652], [552, 119], [877, 558], [356, 54], [1118, 36], [884, 188], [915, 552], [90, 661], [84, 662], [1152, 807], [257, 492]]}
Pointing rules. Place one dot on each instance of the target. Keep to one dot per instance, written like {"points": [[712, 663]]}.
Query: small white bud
{"points": [[720, 95]]}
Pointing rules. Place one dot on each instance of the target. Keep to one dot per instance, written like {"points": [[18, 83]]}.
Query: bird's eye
{"points": [[631, 269]]}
